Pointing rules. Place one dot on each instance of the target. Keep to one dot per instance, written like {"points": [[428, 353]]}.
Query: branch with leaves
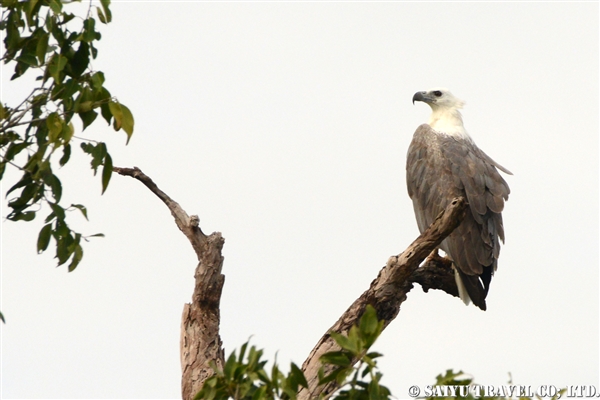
{"points": [[36, 135], [248, 379]]}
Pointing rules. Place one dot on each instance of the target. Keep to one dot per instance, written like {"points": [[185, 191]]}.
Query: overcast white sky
{"points": [[285, 127]]}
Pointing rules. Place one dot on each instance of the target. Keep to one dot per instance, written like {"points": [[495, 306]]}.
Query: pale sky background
{"points": [[285, 126]]}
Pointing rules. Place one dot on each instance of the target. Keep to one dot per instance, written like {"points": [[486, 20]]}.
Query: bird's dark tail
{"points": [[475, 289]]}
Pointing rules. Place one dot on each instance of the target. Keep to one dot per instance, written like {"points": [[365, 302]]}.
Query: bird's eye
{"points": [[437, 93]]}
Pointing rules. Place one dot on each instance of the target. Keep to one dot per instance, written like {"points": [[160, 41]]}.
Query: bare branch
{"points": [[385, 294], [200, 340]]}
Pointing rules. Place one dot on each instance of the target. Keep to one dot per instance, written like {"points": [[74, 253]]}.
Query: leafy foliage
{"points": [[244, 376], [41, 36], [349, 374], [353, 368]]}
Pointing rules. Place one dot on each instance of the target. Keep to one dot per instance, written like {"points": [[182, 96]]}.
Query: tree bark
{"points": [[200, 342], [386, 293]]}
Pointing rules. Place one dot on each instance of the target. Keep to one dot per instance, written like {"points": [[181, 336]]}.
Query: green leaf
{"points": [[335, 358], [13, 35], [122, 118], [50, 22], [61, 230], [55, 5], [356, 345], [81, 59], [50, 217], [81, 208], [87, 117], [44, 238], [104, 94], [77, 256], [101, 16], [243, 352], [298, 376], [2, 317], [369, 322], [260, 393], [94, 51], [98, 81], [107, 13], [117, 113], [97, 235], [14, 149], [54, 183], [20, 69], [30, 11], [62, 251], [98, 152], [26, 216], [67, 132], [127, 122], [229, 367], [42, 47], [56, 65], [338, 375], [3, 113], [27, 194], [89, 31], [54, 123], [28, 59], [106, 172], [66, 90], [66, 154], [58, 211], [25, 180], [343, 341], [84, 96], [374, 355], [85, 106]]}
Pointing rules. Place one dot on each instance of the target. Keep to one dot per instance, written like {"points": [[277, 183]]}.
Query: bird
{"points": [[443, 162]]}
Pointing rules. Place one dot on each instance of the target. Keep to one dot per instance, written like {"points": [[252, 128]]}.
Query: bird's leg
{"points": [[435, 258], [432, 256]]}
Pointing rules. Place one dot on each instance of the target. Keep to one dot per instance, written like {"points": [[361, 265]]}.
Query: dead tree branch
{"points": [[387, 292], [436, 273], [200, 341]]}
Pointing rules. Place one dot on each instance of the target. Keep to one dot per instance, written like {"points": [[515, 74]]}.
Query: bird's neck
{"points": [[448, 121]]}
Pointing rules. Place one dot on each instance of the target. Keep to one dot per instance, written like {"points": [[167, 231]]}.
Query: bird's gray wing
{"points": [[475, 243], [441, 167]]}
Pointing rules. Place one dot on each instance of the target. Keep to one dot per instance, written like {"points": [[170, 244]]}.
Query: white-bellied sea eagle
{"points": [[443, 162]]}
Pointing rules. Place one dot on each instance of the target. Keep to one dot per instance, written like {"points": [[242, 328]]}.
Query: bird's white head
{"points": [[445, 115]]}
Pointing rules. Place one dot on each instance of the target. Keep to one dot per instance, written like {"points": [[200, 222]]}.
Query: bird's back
{"points": [[441, 167]]}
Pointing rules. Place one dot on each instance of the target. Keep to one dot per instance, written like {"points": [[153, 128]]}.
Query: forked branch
{"points": [[200, 340]]}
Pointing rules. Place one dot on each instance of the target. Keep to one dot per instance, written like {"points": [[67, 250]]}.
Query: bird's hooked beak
{"points": [[421, 96]]}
